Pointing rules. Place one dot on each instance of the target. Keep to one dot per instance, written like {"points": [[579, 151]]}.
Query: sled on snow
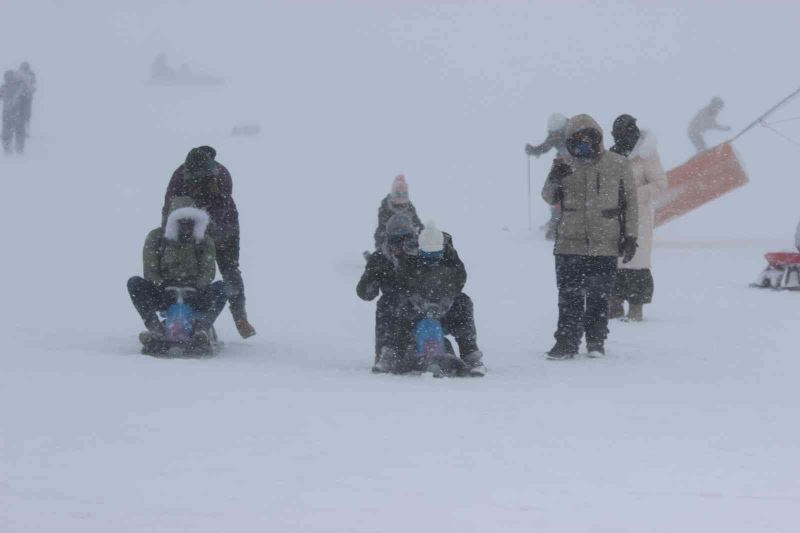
{"points": [[782, 272]]}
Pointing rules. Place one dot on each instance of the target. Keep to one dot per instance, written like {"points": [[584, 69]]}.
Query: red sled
{"points": [[782, 272]]}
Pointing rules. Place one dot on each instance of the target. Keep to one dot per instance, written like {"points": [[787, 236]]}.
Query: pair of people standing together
{"points": [[603, 240]]}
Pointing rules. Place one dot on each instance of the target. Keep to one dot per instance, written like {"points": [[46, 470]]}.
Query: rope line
{"points": [[779, 134]]}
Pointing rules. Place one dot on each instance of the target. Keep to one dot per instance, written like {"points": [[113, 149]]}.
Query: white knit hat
{"points": [[431, 239]]}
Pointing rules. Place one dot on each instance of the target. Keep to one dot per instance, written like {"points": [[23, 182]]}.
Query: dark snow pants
{"points": [[148, 299], [227, 248], [585, 284], [13, 131], [395, 321], [634, 286], [698, 141]]}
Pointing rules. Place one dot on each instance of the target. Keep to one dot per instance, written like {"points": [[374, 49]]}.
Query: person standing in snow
{"points": [[180, 254], [395, 272], [396, 202], [12, 92], [706, 119], [209, 184], [555, 140], [599, 222], [28, 78], [634, 282]]}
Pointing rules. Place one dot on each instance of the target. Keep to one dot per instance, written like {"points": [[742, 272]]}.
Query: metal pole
{"points": [[774, 108], [530, 206]]}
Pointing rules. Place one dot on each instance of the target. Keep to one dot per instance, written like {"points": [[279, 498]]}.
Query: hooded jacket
{"points": [[595, 197], [168, 261], [650, 179], [214, 194], [386, 211]]}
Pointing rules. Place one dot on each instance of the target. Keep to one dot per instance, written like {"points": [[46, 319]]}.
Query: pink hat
{"points": [[399, 194]]}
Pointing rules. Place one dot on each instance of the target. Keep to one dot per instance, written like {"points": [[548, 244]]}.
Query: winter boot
{"points": [[474, 362], [636, 312], [561, 351], [615, 308], [595, 349], [154, 332], [201, 342], [385, 361]]}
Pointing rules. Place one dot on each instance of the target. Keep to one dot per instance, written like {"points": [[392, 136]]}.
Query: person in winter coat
{"points": [[555, 140], [28, 78], [634, 282], [404, 272], [599, 222], [12, 92], [397, 201], [180, 254], [704, 120], [209, 184]]}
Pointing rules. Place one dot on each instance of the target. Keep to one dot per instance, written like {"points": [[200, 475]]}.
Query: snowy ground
{"points": [[690, 424]]}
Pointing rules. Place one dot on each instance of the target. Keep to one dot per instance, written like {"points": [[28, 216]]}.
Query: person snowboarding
{"points": [[178, 255], [704, 120], [599, 222], [555, 140], [394, 274], [396, 202], [634, 281], [12, 92], [28, 79], [209, 184]]}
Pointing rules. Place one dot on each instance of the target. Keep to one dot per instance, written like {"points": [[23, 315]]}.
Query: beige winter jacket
{"points": [[650, 178], [592, 199]]}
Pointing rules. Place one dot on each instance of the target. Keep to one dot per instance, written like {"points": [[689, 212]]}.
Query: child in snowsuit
{"points": [[396, 202], [410, 271], [180, 254]]}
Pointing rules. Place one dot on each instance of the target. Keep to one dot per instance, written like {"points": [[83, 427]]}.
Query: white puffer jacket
{"points": [[649, 176]]}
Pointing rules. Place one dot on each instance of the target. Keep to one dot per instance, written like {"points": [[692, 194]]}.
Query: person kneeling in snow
{"points": [[396, 202], [409, 271], [179, 255]]}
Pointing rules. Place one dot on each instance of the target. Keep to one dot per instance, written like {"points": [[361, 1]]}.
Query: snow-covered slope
{"points": [[688, 425]]}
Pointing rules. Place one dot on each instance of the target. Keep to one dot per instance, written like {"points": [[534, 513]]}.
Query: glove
{"points": [[559, 171], [628, 247], [530, 150]]}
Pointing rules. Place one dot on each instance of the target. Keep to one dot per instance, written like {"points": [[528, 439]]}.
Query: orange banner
{"points": [[704, 178]]}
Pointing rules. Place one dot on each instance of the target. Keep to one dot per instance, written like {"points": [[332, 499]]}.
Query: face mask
{"points": [[582, 149]]}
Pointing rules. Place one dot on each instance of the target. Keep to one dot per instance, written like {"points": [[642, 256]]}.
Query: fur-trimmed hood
{"points": [[646, 147], [198, 216]]}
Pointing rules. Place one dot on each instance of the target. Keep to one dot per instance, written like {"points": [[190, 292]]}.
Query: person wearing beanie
{"points": [[557, 140], [634, 281], [180, 254], [209, 184], [396, 202], [408, 267]]}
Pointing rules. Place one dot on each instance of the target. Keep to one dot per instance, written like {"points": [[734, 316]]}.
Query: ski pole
{"points": [[530, 207]]}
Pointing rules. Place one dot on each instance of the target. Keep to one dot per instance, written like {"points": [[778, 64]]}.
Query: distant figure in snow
{"points": [[12, 92], [634, 281], [706, 119], [209, 184], [397, 201], [160, 71], [28, 78], [555, 140]]}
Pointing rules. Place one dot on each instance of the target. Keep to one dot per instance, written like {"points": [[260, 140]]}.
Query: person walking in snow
{"points": [[555, 140], [704, 120], [179, 254], [208, 183], [634, 281], [409, 268], [28, 78], [599, 222], [12, 92], [397, 201]]}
